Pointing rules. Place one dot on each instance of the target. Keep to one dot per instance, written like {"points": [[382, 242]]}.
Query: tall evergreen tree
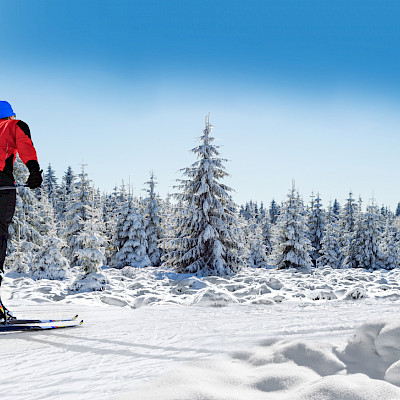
{"points": [[80, 201], [346, 224], [50, 184], [389, 245], [207, 243], [398, 210], [65, 191], [257, 253], [25, 224], [130, 239], [336, 208], [292, 247], [267, 235], [365, 252], [273, 212], [330, 247], [89, 251], [48, 262], [153, 223], [316, 225]]}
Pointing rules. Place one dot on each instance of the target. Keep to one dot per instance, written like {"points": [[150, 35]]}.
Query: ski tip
{"points": [[76, 316], [80, 323]]}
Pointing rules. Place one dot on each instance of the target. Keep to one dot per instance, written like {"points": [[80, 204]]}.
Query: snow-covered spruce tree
{"points": [[347, 220], [316, 226], [80, 200], [207, 242], [262, 211], [167, 224], [267, 235], [90, 252], [130, 239], [389, 245], [112, 210], [153, 223], [25, 226], [45, 213], [20, 258], [292, 247], [348, 215], [274, 211], [110, 217], [257, 253], [65, 191], [64, 194], [336, 208], [331, 216], [50, 184], [48, 262], [330, 247], [364, 243]]}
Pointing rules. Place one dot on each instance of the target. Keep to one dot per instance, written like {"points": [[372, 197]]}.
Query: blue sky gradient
{"points": [[307, 90]]}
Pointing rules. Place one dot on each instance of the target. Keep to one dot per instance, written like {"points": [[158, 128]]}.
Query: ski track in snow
{"points": [[179, 346]]}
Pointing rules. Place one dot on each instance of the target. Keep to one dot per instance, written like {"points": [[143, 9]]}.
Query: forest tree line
{"points": [[199, 229]]}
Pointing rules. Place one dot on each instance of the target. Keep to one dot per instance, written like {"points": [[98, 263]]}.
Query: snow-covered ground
{"points": [[262, 334]]}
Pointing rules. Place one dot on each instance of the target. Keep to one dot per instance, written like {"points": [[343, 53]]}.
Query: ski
{"points": [[38, 321], [21, 328]]}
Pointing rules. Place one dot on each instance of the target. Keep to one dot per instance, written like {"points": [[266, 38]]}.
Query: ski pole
{"points": [[12, 187]]}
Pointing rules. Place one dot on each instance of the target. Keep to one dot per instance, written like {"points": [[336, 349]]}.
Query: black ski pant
{"points": [[7, 208]]}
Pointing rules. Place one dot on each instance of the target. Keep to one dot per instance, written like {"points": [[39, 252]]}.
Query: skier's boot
{"points": [[5, 313]]}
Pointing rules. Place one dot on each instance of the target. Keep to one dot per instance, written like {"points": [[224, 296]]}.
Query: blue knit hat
{"points": [[6, 109]]}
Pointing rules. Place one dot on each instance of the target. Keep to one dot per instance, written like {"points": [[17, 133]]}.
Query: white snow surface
{"points": [[261, 334]]}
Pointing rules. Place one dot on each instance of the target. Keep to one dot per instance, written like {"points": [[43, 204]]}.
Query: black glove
{"points": [[35, 174]]}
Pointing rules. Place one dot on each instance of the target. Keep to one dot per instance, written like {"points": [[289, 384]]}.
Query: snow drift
{"points": [[368, 368], [138, 287]]}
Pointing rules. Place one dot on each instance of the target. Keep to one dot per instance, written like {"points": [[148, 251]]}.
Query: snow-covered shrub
{"points": [[320, 294], [355, 294], [212, 296], [94, 281]]}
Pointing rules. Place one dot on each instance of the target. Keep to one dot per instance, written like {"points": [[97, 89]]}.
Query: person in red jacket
{"points": [[15, 137]]}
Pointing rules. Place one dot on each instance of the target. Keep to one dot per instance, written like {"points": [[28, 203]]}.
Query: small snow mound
{"points": [[392, 374], [289, 371], [114, 301], [355, 294], [275, 284], [374, 350], [320, 294], [356, 387], [278, 298], [213, 296], [318, 358], [129, 272], [260, 300], [195, 283], [388, 342], [282, 379], [145, 300]]}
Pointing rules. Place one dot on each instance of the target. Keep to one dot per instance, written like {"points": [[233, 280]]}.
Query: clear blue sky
{"points": [[304, 90]]}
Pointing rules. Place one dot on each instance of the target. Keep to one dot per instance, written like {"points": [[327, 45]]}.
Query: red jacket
{"points": [[15, 137]]}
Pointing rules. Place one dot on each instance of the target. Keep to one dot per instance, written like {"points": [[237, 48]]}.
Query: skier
{"points": [[15, 137]]}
